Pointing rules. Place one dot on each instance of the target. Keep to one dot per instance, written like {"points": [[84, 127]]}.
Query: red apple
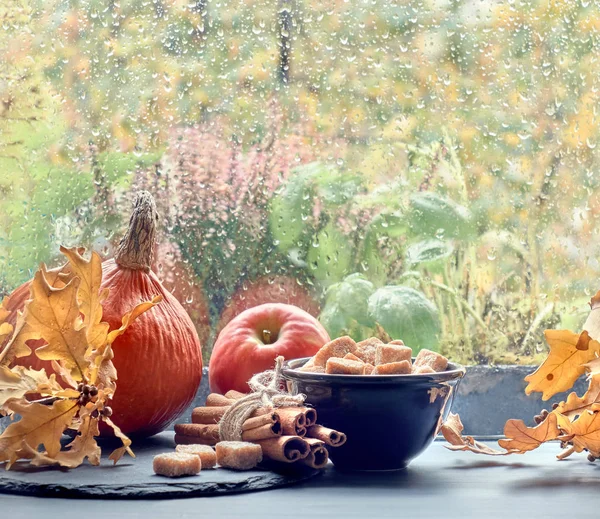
{"points": [[268, 289], [252, 341]]}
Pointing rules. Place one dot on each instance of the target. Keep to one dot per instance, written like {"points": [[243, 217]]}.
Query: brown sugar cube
{"points": [[422, 370], [393, 368], [312, 369], [238, 455], [397, 342], [386, 353], [432, 359], [369, 369], [351, 356], [335, 348], [176, 464], [367, 349], [206, 454], [345, 367]]}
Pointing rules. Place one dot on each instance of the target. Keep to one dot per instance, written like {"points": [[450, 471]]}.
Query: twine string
{"points": [[265, 392]]}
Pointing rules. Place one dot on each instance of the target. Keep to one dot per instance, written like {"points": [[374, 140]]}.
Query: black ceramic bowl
{"points": [[388, 419]]}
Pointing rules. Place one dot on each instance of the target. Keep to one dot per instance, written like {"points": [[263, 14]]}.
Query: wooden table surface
{"points": [[440, 484]]}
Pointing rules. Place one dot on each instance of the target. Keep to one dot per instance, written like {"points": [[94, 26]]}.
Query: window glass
{"points": [[427, 168]]}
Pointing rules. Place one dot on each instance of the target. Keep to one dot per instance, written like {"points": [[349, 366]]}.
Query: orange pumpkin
{"points": [[159, 358]]}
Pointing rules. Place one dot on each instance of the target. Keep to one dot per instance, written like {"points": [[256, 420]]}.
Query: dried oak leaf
{"points": [[452, 430], [53, 315], [39, 425], [593, 367], [520, 438], [89, 296], [575, 405], [585, 433], [592, 323], [117, 454], [5, 328], [83, 446], [57, 278], [4, 312], [565, 362], [19, 381]]}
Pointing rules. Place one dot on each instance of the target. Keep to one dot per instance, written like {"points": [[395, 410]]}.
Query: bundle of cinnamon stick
{"points": [[285, 434]]}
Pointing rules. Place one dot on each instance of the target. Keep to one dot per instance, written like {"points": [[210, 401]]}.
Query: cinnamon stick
{"points": [[329, 436], [206, 433], [212, 415], [310, 416], [208, 415], [234, 395], [285, 448], [257, 421], [216, 400], [182, 439], [318, 456], [293, 420], [264, 432]]}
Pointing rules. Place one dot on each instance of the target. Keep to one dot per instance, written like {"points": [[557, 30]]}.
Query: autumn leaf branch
{"points": [[575, 422], [65, 312]]}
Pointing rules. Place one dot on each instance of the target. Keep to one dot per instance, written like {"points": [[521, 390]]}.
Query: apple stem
{"points": [[266, 335]]}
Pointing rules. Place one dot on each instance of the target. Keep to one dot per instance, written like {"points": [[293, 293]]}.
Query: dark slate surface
{"points": [[439, 484], [135, 479]]}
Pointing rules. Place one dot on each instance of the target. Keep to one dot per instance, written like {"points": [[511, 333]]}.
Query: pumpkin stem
{"points": [[137, 246]]}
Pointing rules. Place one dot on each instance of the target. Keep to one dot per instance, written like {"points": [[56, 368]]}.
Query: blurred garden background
{"points": [[424, 167]]}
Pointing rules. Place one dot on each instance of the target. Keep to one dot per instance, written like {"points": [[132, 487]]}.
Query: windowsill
{"points": [[440, 483]]}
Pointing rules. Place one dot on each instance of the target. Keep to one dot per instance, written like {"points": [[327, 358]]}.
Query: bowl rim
{"points": [[290, 372]]}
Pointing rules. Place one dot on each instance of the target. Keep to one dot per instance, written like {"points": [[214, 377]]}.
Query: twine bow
{"points": [[266, 392]]}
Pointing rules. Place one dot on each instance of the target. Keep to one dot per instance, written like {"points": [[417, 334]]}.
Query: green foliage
{"points": [[430, 253], [434, 215], [329, 258], [408, 315], [354, 307], [347, 301]]}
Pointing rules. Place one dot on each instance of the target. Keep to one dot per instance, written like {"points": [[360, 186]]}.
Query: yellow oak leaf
{"points": [[131, 316], [17, 345], [65, 375], [39, 425], [19, 381], [521, 438], [452, 430], [4, 312], [89, 296], [575, 405], [117, 454], [592, 323], [6, 330], [83, 446], [585, 433], [53, 315], [565, 362], [593, 367], [56, 278]]}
